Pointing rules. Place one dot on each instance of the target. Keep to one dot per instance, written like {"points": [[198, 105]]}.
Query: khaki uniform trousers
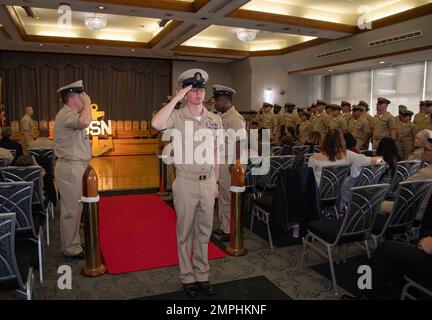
{"points": [[194, 204], [224, 199], [69, 176]]}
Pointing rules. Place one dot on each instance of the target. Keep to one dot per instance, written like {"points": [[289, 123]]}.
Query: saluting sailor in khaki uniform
{"points": [[406, 132], [368, 117], [384, 124], [359, 128], [26, 128], [337, 121], [233, 120], [321, 122], [194, 188], [291, 118], [305, 127], [346, 111], [423, 119], [73, 150], [266, 119]]}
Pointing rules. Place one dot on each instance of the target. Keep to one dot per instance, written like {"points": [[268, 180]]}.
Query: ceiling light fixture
{"points": [[101, 8], [381, 62], [330, 70], [95, 22], [246, 35]]}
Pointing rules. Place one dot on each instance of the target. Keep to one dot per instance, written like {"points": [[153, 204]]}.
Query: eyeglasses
{"points": [[198, 89]]}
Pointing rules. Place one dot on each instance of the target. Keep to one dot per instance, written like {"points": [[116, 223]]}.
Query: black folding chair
{"points": [[17, 197], [355, 227], [16, 272]]}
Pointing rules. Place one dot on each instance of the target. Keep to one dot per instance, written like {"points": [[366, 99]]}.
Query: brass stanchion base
{"points": [[95, 272], [236, 252]]}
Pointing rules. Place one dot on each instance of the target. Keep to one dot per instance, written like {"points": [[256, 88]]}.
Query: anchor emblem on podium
{"points": [[99, 127]]}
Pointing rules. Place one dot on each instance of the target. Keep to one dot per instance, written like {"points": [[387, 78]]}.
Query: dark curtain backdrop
{"points": [[125, 88]]}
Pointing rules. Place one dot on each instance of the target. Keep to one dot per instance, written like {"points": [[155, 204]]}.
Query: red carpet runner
{"points": [[138, 232]]}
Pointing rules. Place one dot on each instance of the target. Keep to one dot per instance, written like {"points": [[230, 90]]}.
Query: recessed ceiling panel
{"points": [[222, 37]]}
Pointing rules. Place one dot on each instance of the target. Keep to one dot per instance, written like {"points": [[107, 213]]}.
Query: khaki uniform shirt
{"points": [[339, 122], [370, 119], [267, 120], [305, 128], [321, 123], [383, 124], [70, 142], [291, 120], [406, 131], [359, 129], [41, 143], [27, 128], [423, 121], [347, 116], [235, 121], [178, 120]]}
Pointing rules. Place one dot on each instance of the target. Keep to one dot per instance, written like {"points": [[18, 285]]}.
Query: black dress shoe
{"points": [[206, 288], [79, 256], [190, 289], [225, 237], [218, 232]]}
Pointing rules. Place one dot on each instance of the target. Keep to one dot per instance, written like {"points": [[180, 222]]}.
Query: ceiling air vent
{"points": [[334, 53], [401, 37]]}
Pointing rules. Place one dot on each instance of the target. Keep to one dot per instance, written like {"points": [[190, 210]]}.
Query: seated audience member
{"points": [[43, 142], [314, 139], [420, 143], [350, 142], [7, 156], [388, 150], [427, 154], [287, 143], [334, 153], [26, 160], [394, 259], [7, 143]]}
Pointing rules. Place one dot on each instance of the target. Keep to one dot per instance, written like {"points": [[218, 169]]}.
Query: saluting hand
{"points": [[182, 92], [85, 99]]}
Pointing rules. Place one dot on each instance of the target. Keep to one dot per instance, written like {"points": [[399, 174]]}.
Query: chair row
{"points": [[363, 222], [16, 263], [332, 180]]}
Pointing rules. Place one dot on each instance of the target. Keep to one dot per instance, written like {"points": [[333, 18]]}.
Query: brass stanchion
{"points": [[162, 171], [236, 246], [90, 199]]}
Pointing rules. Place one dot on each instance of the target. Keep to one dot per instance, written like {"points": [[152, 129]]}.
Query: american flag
{"points": [[2, 116]]}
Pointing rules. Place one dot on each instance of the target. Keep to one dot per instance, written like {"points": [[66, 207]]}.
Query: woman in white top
{"points": [[334, 153]]}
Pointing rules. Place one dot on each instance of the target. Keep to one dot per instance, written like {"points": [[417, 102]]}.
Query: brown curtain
{"points": [[125, 88]]}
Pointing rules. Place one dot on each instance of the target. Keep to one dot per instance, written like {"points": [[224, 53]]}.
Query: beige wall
{"points": [[307, 58]]}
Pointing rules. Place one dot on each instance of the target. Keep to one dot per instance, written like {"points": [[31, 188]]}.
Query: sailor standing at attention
{"points": [[231, 119]]}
